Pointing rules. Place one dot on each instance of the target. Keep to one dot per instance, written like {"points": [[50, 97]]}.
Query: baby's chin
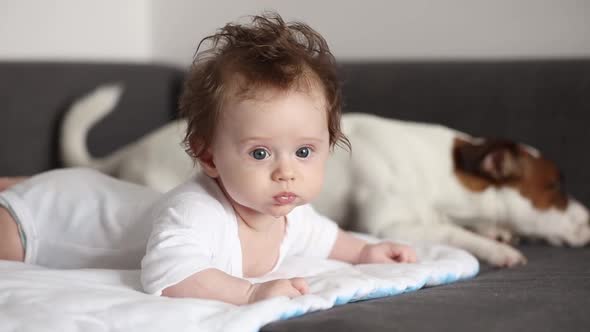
{"points": [[279, 211]]}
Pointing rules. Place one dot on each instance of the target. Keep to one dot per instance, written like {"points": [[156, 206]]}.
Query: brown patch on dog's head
{"points": [[542, 182], [497, 162]]}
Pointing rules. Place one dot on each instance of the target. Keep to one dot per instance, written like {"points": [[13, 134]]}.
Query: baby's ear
{"points": [[207, 164]]}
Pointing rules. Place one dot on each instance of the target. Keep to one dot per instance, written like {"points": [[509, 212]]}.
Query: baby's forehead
{"points": [[270, 103], [274, 112], [239, 88]]}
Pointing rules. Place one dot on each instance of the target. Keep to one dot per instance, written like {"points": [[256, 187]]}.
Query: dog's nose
{"points": [[579, 212]]}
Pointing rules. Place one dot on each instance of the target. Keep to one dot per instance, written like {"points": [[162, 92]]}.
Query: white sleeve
{"points": [[181, 243], [313, 235]]}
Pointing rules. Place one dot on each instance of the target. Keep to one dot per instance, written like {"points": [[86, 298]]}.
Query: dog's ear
{"points": [[496, 160], [501, 164]]}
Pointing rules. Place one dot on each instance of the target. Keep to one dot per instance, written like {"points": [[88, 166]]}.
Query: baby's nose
{"points": [[283, 174], [284, 177]]}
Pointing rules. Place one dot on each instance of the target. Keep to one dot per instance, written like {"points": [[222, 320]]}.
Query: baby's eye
{"points": [[303, 152], [260, 154]]}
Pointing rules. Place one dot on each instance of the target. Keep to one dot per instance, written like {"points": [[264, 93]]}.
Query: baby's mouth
{"points": [[285, 198]]}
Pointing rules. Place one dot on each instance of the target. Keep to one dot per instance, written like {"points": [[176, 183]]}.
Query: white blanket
{"points": [[38, 299]]}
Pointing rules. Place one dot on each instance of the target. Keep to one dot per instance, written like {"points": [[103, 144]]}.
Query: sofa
{"points": [[544, 103]]}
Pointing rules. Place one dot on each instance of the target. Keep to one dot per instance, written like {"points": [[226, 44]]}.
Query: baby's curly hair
{"points": [[267, 53]]}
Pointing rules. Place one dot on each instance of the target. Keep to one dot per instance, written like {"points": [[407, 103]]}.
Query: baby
{"points": [[263, 108]]}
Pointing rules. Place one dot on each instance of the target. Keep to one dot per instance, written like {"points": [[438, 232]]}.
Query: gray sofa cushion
{"points": [[549, 294]]}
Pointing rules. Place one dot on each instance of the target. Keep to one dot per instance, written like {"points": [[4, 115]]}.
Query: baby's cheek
{"points": [[251, 182], [241, 184], [314, 185], [247, 195]]}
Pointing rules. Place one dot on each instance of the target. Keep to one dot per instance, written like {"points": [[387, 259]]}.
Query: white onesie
{"points": [[195, 228], [80, 218]]}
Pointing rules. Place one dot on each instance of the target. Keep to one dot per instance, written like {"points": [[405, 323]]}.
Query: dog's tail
{"points": [[78, 120]]}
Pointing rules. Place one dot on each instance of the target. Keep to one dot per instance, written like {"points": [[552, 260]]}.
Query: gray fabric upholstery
{"points": [[543, 103], [550, 293], [34, 96]]}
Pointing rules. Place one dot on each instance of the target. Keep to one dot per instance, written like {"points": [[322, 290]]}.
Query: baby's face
{"points": [[270, 152]]}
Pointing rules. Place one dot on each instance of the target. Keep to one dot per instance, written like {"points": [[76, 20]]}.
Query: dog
{"points": [[412, 181]]}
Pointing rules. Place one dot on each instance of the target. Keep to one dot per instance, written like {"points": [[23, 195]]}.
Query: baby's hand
{"points": [[282, 287], [387, 252]]}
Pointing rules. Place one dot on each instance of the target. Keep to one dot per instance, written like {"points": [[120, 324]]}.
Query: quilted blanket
{"points": [[34, 298]]}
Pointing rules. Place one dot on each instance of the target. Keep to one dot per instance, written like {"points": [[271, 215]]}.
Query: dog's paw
{"points": [[504, 255], [498, 233]]}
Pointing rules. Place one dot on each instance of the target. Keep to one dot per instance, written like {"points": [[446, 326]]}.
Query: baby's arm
{"points": [[217, 285], [318, 236], [351, 249]]}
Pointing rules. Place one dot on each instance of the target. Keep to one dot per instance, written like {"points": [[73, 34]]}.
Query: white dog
{"points": [[403, 180]]}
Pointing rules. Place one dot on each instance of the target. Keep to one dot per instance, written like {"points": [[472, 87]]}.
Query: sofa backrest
{"points": [[543, 103], [34, 97]]}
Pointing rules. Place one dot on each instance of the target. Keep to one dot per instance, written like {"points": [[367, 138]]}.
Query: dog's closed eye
{"points": [[553, 186]]}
